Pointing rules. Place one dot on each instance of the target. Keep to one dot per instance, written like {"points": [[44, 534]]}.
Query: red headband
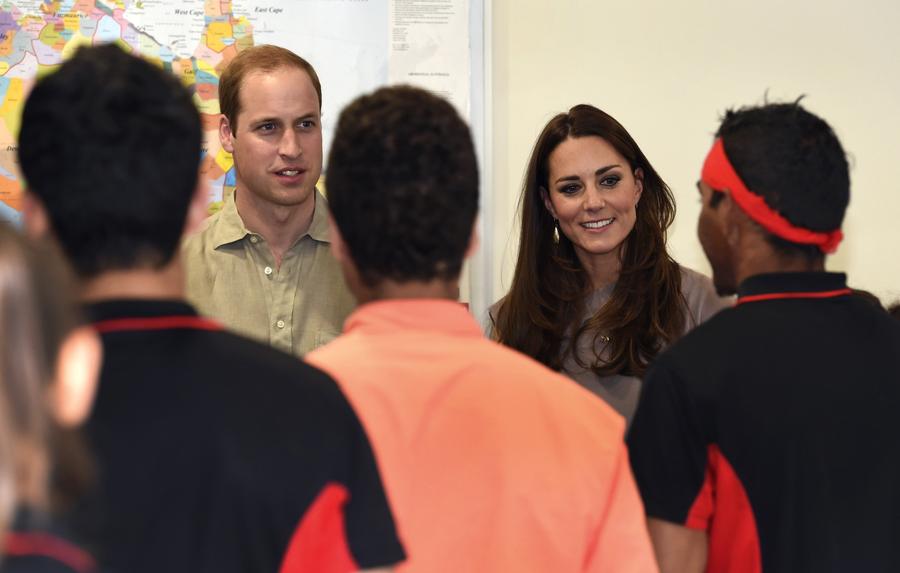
{"points": [[719, 174]]}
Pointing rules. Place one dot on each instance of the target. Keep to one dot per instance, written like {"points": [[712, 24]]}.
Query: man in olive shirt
{"points": [[262, 264]]}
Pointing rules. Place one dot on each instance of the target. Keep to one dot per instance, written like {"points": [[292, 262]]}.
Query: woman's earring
{"points": [[556, 231]]}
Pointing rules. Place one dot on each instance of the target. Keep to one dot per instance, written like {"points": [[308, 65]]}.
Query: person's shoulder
{"points": [[35, 544], [490, 320], [200, 240], [550, 392], [257, 373], [234, 349], [700, 295]]}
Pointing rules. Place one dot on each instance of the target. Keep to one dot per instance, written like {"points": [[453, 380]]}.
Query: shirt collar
{"points": [[784, 283], [230, 228], [435, 315], [318, 227]]}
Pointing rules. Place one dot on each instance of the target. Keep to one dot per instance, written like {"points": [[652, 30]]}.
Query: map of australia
{"points": [[193, 39]]}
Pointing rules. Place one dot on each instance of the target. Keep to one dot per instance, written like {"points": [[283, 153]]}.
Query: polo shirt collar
{"points": [[433, 315], [230, 227], [778, 283], [136, 308]]}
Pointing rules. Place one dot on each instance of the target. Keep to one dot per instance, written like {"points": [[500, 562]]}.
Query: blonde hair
{"points": [[35, 318]]}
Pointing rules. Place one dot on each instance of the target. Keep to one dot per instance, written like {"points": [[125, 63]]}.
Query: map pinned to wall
{"points": [[348, 42]]}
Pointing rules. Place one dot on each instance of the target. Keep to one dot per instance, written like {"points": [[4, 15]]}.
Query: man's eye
{"points": [[307, 124], [266, 127]]}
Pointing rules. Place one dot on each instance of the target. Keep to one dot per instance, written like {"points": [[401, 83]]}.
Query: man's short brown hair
{"points": [[265, 58]]}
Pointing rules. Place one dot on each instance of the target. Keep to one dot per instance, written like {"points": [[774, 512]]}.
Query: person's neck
{"points": [[392, 290], [767, 260], [603, 270], [279, 225], [139, 283]]}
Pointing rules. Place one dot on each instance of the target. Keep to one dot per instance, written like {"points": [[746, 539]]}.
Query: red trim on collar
{"points": [[156, 323], [50, 546], [785, 295]]}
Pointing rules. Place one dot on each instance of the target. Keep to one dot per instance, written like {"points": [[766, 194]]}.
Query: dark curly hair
{"points": [[794, 160], [545, 303], [111, 145], [403, 185]]}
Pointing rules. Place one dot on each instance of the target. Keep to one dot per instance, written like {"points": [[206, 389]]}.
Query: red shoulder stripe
{"points": [[156, 323], [723, 510], [46, 545], [320, 541], [786, 295]]}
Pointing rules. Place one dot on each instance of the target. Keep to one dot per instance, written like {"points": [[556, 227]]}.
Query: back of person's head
{"points": [[403, 186], [264, 58], [110, 145], [793, 159], [36, 318]]}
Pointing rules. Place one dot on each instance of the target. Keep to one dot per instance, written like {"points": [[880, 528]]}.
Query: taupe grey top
{"points": [[232, 277], [622, 392]]}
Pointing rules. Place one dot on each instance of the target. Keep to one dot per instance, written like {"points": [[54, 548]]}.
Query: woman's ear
{"points": [[548, 204], [71, 394]]}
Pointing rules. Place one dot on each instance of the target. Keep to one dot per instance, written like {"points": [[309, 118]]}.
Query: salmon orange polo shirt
{"points": [[491, 461]]}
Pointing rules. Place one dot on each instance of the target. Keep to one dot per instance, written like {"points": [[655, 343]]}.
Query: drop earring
{"points": [[556, 231]]}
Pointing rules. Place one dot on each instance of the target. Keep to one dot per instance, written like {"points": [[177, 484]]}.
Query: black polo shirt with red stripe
{"points": [[774, 427], [35, 544], [219, 454]]}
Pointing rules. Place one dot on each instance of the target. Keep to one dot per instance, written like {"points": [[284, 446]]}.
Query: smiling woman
{"points": [[595, 293]]}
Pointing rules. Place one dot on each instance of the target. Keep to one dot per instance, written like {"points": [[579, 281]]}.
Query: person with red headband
{"points": [[758, 443]]}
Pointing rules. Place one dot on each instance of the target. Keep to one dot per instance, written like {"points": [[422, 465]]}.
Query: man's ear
{"points": [[71, 394], [338, 247], [474, 241], [225, 134], [197, 209], [548, 204], [732, 218], [34, 216]]}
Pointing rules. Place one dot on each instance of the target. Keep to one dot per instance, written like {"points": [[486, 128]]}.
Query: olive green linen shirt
{"points": [[232, 277]]}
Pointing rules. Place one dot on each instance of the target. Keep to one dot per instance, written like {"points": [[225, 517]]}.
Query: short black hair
{"points": [[794, 160], [403, 185], [111, 146]]}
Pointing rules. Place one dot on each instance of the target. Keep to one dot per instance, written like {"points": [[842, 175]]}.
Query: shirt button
{"points": [[268, 271], [254, 239], [280, 324]]}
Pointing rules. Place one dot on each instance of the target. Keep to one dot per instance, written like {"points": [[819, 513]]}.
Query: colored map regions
{"points": [[345, 40], [193, 39]]}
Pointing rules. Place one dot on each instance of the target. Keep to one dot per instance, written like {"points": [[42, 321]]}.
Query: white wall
{"points": [[667, 70]]}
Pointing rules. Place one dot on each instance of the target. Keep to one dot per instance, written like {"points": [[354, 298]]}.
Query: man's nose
{"points": [[289, 146]]}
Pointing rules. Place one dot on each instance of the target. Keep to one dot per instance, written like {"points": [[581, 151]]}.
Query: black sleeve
{"points": [[668, 450], [371, 530], [348, 525]]}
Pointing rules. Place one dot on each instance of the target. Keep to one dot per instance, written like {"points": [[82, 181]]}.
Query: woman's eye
{"points": [[569, 189], [610, 181]]}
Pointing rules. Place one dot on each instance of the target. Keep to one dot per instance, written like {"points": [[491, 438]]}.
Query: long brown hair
{"points": [[547, 299], [35, 318]]}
